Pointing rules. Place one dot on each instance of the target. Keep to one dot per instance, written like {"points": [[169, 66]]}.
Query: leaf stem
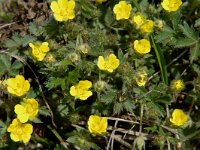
{"points": [[141, 116]]}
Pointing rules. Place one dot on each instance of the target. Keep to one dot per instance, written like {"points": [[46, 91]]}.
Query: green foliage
{"points": [[136, 113]]}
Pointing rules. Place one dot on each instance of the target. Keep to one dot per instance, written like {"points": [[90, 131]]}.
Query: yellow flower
{"points": [[100, 1], [147, 27], [177, 85], [19, 131], [141, 78], [27, 111], [63, 9], [109, 64], [81, 90], [39, 51], [122, 10], [142, 46], [171, 5], [138, 20], [97, 125], [178, 117], [18, 85]]}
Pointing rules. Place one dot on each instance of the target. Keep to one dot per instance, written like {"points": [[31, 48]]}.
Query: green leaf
{"points": [[118, 107], [5, 63], [195, 52], [161, 61], [189, 32], [165, 35], [184, 42], [3, 128], [108, 97], [16, 65], [197, 23], [158, 108]]}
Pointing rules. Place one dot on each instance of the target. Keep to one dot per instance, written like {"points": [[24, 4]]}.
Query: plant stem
{"points": [[141, 116], [58, 136], [168, 144]]}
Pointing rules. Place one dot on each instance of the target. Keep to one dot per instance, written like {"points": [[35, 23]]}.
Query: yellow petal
{"points": [[71, 4], [58, 17], [19, 109], [26, 138], [14, 137], [85, 84], [54, 7], [31, 45], [44, 47], [63, 3], [101, 63], [73, 91], [28, 128], [84, 95]]}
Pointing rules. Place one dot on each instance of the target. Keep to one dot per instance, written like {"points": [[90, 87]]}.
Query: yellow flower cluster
{"points": [[122, 10], [28, 110], [177, 85], [18, 86], [109, 64], [63, 10], [97, 125], [141, 78], [39, 50], [81, 90], [145, 26], [19, 131], [142, 46], [171, 5], [179, 118]]}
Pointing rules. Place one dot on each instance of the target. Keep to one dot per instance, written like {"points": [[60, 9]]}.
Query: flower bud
{"points": [[74, 118], [100, 86], [84, 48], [74, 57], [139, 142]]}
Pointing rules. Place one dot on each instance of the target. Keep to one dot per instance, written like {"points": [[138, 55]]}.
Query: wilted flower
{"points": [[18, 85], [97, 125], [50, 58], [28, 110], [147, 27], [142, 46], [122, 10], [39, 50], [179, 118], [171, 5], [81, 90], [141, 78], [177, 85], [63, 9], [84, 48], [19, 131], [109, 64], [100, 1], [138, 20]]}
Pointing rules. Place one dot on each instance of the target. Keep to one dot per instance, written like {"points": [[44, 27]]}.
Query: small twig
{"points": [[141, 116], [8, 24], [118, 138], [123, 120], [111, 140]]}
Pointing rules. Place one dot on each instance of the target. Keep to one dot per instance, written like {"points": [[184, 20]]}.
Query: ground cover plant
{"points": [[100, 74]]}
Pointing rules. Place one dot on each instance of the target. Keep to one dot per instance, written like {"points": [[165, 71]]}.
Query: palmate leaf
{"points": [[184, 42], [189, 32], [5, 63], [195, 52]]}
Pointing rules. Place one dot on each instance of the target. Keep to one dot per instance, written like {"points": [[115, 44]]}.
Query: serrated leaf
{"points": [[197, 23], [108, 97], [27, 39], [184, 42], [189, 32], [195, 52], [16, 65], [44, 111], [158, 108], [165, 35], [118, 107]]}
